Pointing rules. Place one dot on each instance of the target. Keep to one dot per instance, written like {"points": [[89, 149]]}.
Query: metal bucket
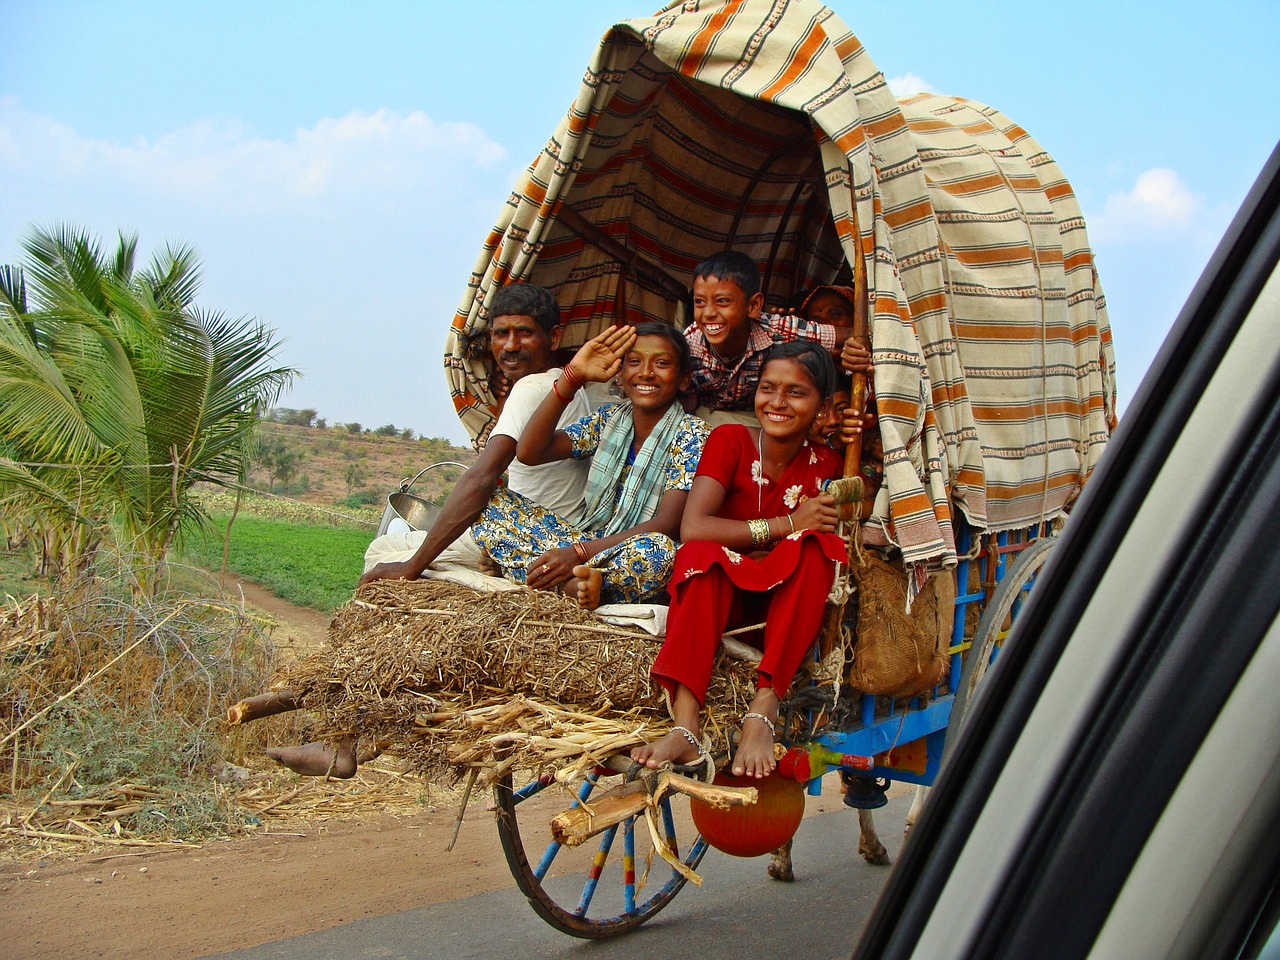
{"points": [[418, 513]]}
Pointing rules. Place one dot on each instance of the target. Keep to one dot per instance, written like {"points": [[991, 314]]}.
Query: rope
{"points": [[81, 466]]}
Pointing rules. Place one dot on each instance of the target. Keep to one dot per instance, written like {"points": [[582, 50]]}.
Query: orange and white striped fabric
{"points": [[764, 126]]}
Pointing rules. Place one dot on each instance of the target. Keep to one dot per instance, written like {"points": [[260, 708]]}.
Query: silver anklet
{"points": [[688, 735], [773, 731]]}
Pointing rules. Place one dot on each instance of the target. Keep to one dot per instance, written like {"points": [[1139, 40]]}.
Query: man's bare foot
{"points": [[675, 746], [585, 586], [318, 759]]}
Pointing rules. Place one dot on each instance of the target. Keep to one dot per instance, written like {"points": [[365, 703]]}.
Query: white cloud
{"points": [[353, 238], [1158, 205], [908, 84], [218, 163]]}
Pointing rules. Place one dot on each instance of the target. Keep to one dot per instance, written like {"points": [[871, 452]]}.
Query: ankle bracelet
{"points": [[773, 730], [688, 735]]}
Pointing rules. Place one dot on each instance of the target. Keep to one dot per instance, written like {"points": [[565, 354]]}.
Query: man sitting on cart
{"points": [[524, 333]]}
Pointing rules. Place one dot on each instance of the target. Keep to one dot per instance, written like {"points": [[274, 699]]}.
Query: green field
{"points": [[311, 565]]}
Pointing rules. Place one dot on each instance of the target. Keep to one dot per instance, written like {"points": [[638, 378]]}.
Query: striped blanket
{"points": [[764, 126]]}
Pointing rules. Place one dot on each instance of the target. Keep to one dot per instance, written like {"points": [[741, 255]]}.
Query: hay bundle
{"points": [[451, 678]]}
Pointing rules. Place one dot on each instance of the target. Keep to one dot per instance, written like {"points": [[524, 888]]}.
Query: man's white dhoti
{"points": [[397, 547]]}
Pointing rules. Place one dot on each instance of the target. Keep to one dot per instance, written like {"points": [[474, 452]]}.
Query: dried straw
{"points": [[452, 679]]}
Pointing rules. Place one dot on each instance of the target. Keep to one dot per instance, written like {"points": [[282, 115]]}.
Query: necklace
{"points": [[760, 462]]}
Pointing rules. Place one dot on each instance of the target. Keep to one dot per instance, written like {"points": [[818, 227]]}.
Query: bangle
{"points": [[760, 534], [791, 523], [581, 550], [556, 390], [572, 378]]}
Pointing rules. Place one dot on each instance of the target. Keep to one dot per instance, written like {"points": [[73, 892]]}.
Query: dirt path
{"points": [[300, 629], [224, 896], [228, 895]]}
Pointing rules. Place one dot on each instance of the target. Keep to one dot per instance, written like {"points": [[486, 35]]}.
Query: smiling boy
{"points": [[731, 332]]}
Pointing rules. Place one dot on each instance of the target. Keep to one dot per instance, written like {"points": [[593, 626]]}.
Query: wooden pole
{"points": [[263, 705]]}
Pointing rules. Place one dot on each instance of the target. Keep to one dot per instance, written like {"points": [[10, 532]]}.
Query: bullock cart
{"points": [[767, 128]]}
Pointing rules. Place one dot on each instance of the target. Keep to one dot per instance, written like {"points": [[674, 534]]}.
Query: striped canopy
{"points": [[764, 126]]}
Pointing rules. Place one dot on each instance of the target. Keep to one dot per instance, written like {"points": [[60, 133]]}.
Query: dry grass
{"points": [[451, 679], [112, 730]]}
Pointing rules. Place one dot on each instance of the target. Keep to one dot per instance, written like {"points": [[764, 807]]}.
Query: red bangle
{"points": [[573, 380], [556, 390], [580, 549]]}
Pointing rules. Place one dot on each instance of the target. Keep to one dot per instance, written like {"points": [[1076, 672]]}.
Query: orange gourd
{"points": [[754, 829]]}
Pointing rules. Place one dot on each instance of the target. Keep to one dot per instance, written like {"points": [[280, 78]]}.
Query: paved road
{"points": [[738, 913]]}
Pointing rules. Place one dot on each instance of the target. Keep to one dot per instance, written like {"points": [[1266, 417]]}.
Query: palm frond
{"points": [[13, 289], [173, 277], [122, 262]]}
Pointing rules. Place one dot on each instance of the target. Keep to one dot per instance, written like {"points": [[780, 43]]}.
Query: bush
{"points": [[362, 498], [121, 700]]}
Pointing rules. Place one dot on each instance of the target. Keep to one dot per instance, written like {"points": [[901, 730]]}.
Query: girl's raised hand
{"points": [[816, 513], [600, 358]]}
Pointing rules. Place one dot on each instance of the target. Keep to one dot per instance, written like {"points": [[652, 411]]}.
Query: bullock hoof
{"points": [[864, 793], [780, 869], [874, 853]]}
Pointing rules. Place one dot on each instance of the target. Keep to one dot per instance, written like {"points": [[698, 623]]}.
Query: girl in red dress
{"points": [[759, 544]]}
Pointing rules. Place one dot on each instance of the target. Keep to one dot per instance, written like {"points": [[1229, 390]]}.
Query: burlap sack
{"points": [[898, 654]]}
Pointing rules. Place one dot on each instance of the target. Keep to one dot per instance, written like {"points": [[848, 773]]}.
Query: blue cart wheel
{"points": [[994, 625], [607, 886]]}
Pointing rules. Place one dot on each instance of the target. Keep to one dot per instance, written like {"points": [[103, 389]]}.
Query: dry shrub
{"points": [[111, 708]]}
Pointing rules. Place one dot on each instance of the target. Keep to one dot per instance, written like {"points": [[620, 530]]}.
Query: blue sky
{"points": [[337, 166]]}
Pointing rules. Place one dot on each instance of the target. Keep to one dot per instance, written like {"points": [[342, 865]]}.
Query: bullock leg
{"points": [[869, 845], [780, 863], [917, 804]]}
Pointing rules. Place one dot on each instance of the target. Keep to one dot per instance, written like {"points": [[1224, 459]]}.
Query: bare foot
{"points": [[675, 746], [585, 587], [754, 757], [318, 759]]}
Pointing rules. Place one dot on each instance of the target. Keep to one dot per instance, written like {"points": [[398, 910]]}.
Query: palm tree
{"points": [[117, 394]]}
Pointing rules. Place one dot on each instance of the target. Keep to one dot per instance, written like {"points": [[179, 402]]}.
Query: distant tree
{"points": [[355, 476], [387, 430], [287, 466], [354, 428], [322, 423], [263, 454], [406, 433]]}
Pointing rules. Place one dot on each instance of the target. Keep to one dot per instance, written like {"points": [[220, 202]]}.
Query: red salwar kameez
{"points": [[715, 588]]}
